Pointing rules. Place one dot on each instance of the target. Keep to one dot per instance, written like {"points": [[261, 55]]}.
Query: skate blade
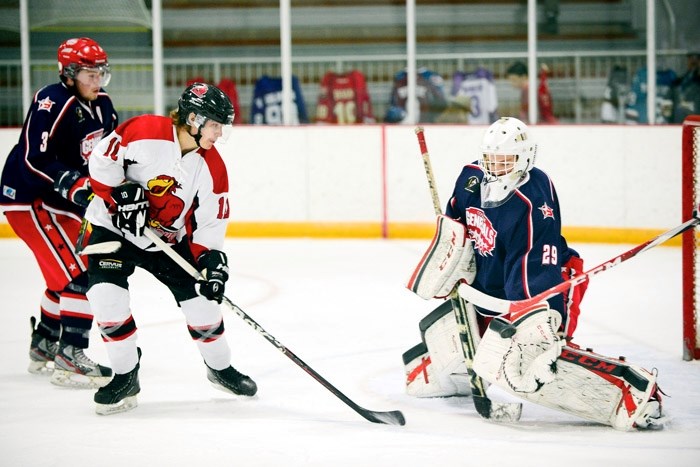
{"points": [[40, 368], [123, 405], [227, 390], [68, 379]]}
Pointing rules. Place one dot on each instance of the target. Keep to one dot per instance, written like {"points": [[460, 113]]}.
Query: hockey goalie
{"points": [[501, 234]]}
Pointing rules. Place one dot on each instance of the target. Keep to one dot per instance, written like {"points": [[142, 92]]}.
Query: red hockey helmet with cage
{"points": [[78, 53]]}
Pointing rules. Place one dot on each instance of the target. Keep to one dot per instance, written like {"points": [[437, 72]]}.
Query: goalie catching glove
{"points": [[448, 260], [73, 186], [130, 208], [214, 267]]}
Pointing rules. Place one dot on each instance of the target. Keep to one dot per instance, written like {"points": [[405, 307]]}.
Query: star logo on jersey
{"points": [[546, 211], [471, 183], [45, 104]]}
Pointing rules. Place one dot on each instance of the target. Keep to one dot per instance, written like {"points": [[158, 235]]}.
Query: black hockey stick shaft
{"points": [[394, 417], [500, 411]]}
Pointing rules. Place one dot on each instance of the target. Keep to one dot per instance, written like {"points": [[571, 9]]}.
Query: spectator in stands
{"points": [[518, 77], [685, 91]]}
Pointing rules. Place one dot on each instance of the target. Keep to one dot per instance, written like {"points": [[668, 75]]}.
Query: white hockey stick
{"points": [[518, 308], [466, 320], [394, 417]]}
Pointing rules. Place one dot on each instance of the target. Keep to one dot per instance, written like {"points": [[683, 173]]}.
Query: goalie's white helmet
{"points": [[508, 154]]}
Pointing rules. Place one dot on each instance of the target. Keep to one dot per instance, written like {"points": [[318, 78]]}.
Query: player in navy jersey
{"points": [[501, 235], [511, 212], [44, 193]]}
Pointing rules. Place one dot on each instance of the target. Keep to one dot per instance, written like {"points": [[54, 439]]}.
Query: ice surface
{"points": [[340, 306]]}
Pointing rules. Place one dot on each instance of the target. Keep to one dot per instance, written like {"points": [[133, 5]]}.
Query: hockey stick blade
{"points": [[520, 307], [498, 411], [389, 418]]}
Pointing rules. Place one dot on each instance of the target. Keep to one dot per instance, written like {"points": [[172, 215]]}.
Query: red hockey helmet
{"points": [[82, 52]]}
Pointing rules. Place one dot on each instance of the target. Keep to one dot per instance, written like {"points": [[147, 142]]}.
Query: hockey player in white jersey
{"points": [[164, 174]]}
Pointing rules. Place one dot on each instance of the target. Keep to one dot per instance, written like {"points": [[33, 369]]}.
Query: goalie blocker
{"points": [[534, 364]]}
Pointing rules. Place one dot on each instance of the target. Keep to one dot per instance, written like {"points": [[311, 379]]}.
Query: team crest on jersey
{"points": [[481, 231], [45, 104], [88, 144], [546, 211], [471, 183], [164, 206]]}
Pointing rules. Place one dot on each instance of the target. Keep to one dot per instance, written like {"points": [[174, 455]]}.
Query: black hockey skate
{"points": [[74, 369], [231, 381], [41, 352], [120, 394]]}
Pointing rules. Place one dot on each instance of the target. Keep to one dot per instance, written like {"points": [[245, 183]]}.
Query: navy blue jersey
{"points": [[267, 102], [59, 133], [518, 246]]}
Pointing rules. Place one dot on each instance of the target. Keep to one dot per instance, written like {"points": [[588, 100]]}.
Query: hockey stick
{"points": [[518, 308], [394, 417], [498, 411]]}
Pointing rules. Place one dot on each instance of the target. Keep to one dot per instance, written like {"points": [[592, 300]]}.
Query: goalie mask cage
{"points": [[691, 260]]}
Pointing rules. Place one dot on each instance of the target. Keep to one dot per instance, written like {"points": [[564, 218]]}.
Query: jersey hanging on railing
{"points": [[636, 108], [544, 98], [480, 88], [267, 102], [344, 99], [430, 94]]}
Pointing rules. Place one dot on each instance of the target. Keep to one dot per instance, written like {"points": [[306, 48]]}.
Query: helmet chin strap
{"points": [[197, 137]]}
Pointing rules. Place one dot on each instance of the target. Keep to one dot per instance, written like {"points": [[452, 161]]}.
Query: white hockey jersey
{"points": [[187, 193]]}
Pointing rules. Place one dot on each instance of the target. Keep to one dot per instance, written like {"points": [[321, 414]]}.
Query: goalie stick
{"points": [[518, 308], [497, 411], [394, 417]]}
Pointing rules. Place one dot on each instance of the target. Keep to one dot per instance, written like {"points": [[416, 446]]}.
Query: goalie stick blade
{"points": [[394, 417], [503, 412]]}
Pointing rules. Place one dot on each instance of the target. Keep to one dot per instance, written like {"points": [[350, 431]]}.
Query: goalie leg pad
{"points": [[448, 260], [602, 389], [436, 366]]}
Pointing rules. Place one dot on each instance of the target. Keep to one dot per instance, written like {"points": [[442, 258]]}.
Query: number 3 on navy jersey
{"points": [[549, 255]]}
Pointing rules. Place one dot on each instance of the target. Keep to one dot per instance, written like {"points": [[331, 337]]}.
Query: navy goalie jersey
{"points": [[518, 246]]}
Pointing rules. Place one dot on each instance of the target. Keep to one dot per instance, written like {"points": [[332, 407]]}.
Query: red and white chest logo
{"points": [[481, 231], [546, 211], [88, 144], [45, 104]]}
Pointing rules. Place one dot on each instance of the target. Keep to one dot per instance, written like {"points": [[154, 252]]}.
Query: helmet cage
{"points": [[508, 155]]}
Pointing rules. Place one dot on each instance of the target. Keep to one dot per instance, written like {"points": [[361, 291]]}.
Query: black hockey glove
{"points": [[131, 208], [73, 186], [214, 268]]}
